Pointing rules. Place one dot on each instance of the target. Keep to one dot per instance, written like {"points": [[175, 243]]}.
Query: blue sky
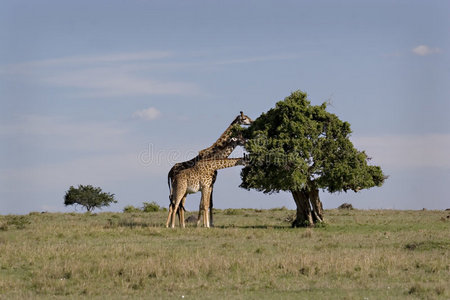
{"points": [[112, 93]]}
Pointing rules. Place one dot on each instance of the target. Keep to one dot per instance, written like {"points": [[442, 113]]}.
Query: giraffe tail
{"points": [[169, 182]]}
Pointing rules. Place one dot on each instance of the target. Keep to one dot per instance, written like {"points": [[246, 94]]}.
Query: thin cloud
{"points": [[424, 50], [84, 170], [61, 134], [119, 75], [105, 82], [110, 75], [149, 114], [91, 59], [246, 60]]}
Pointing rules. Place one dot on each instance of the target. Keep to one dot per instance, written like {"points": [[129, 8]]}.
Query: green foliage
{"points": [[131, 209], [150, 207], [297, 146], [88, 196], [147, 207]]}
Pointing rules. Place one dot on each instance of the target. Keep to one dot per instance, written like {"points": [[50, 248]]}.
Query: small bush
{"points": [[130, 209], [147, 207], [346, 206], [150, 207]]}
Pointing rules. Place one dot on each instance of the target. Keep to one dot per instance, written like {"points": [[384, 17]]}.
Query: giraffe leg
{"points": [[211, 217], [170, 215], [173, 216], [181, 212], [177, 197], [200, 213], [206, 194]]}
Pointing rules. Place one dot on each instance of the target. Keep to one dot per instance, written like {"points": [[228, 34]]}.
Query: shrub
{"points": [[346, 206], [130, 209], [150, 207]]}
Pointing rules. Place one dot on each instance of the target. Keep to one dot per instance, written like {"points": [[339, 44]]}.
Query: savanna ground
{"points": [[250, 254]]}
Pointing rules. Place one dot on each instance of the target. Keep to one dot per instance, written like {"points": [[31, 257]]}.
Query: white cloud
{"points": [[407, 151], [424, 50], [150, 113]]}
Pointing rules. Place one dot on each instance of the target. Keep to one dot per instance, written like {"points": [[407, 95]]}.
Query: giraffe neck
{"points": [[222, 147], [219, 152], [217, 164]]}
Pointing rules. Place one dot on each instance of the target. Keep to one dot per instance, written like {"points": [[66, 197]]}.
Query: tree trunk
{"points": [[316, 205], [304, 217], [309, 208]]}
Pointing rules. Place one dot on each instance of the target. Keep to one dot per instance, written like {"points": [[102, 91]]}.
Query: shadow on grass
{"points": [[254, 226], [131, 223]]}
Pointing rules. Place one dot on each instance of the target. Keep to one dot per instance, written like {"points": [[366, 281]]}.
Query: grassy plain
{"points": [[250, 254]]}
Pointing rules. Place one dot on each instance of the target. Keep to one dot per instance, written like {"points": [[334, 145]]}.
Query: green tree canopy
{"points": [[301, 148], [88, 196]]}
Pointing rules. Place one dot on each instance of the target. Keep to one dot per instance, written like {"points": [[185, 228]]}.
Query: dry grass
{"points": [[250, 254]]}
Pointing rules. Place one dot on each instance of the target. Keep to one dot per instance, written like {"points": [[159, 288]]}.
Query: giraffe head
{"points": [[243, 119]]}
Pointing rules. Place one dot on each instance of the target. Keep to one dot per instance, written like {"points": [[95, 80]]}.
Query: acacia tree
{"points": [[301, 148], [88, 196]]}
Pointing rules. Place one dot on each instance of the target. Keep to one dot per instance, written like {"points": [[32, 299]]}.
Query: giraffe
{"points": [[194, 179], [222, 148]]}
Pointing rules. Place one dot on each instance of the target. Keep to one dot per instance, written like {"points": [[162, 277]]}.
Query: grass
{"points": [[374, 254]]}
